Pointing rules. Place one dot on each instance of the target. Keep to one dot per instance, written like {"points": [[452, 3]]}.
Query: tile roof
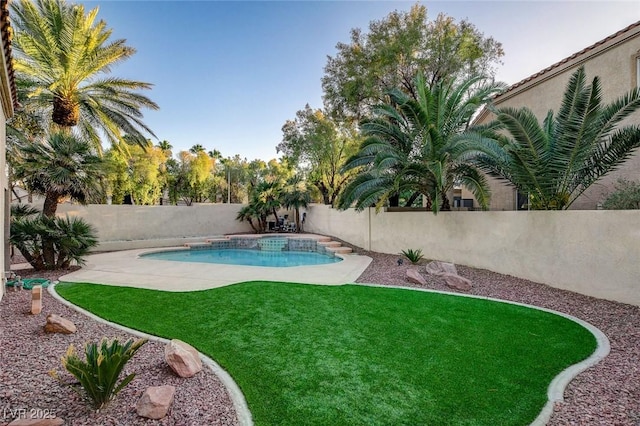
{"points": [[569, 58], [6, 34]]}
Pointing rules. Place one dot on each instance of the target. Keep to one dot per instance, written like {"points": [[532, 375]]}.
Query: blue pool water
{"points": [[246, 257]]}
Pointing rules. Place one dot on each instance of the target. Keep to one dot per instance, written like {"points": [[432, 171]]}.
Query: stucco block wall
{"points": [[589, 252], [615, 64], [126, 226]]}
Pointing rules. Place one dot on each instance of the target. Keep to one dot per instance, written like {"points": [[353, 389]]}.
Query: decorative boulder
{"points": [[155, 402], [57, 324], [440, 268], [413, 276], [457, 282], [55, 421], [183, 359]]}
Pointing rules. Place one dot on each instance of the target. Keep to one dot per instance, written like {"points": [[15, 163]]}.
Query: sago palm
{"points": [[416, 145], [556, 161], [62, 57]]}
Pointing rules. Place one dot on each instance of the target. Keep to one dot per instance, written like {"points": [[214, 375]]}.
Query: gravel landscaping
{"points": [[607, 394]]}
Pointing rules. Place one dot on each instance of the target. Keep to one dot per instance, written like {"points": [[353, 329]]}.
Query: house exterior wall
{"points": [[615, 62], [7, 101]]}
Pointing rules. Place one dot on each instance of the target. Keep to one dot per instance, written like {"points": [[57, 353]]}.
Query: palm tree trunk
{"points": [[49, 211], [50, 204]]}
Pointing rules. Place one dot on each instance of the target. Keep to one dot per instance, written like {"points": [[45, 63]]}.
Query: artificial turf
{"points": [[358, 355]]}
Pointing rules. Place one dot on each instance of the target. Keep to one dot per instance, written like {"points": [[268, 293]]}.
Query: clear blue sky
{"points": [[227, 75]]}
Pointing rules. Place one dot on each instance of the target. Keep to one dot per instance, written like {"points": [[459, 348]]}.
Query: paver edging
{"points": [[555, 391], [235, 394]]}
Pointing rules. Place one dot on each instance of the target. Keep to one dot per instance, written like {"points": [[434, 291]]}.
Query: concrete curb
{"points": [[237, 398], [555, 391]]}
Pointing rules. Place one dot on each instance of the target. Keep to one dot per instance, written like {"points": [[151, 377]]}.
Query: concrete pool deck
{"points": [[126, 268]]}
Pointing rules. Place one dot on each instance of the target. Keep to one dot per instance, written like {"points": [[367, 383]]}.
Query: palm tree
{"points": [[63, 165], [557, 161], [61, 55], [166, 148], [416, 145], [268, 193], [197, 148], [295, 195], [249, 213]]}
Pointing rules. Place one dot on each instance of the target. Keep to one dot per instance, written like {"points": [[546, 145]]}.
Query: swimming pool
{"points": [[253, 251], [245, 257]]}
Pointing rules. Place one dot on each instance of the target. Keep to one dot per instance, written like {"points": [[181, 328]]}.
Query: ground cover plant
{"points": [[305, 354]]}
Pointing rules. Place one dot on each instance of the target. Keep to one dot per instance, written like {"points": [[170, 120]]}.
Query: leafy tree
{"points": [[395, 50], [137, 172], [625, 197], [320, 146], [556, 161], [418, 145], [61, 55]]}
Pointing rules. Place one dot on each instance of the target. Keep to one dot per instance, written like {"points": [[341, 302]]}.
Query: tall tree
{"points": [[319, 146], [556, 161], [419, 145], [62, 57], [395, 50]]}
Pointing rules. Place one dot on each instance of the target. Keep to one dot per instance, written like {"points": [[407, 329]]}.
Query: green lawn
{"points": [[356, 355]]}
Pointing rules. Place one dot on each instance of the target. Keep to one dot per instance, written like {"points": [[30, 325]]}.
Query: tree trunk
{"points": [[49, 211], [412, 199], [50, 204], [66, 112], [445, 203]]}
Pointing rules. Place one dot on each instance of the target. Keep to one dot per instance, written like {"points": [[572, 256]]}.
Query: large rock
{"points": [[55, 421], [57, 324], [440, 268], [156, 401], [457, 282], [183, 359], [413, 276]]}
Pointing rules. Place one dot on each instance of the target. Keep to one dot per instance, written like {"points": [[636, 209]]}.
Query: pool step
{"points": [[340, 250], [329, 243]]}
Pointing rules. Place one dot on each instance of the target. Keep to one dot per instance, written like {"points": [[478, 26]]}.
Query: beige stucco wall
{"points": [[589, 252], [127, 227], [615, 63]]}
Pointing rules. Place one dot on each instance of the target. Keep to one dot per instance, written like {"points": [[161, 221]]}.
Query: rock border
{"points": [[555, 391], [235, 394]]}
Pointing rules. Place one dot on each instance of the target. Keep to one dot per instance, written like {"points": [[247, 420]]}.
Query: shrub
{"points": [[625, 197], [414, 256], [69, 239], [99, 374]]}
